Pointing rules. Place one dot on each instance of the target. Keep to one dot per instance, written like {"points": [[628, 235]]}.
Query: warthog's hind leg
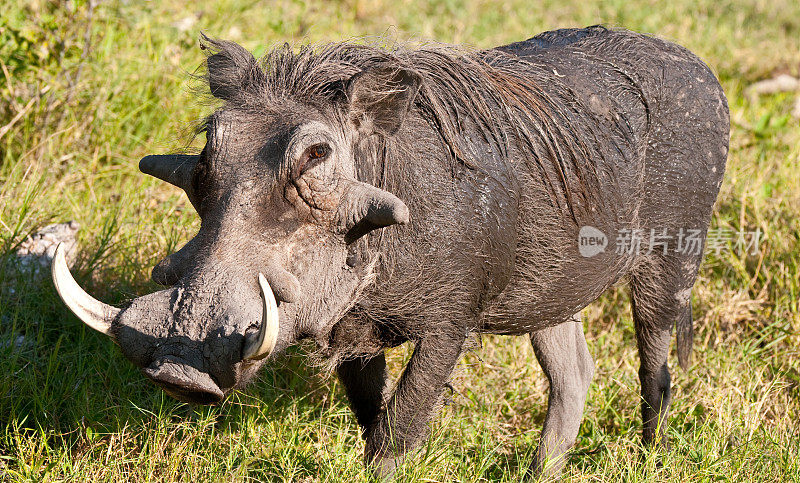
{"points": [[565, 359], [661, 298]]}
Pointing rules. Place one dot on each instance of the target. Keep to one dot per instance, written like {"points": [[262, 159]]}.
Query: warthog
{"points": [[492, 169]]}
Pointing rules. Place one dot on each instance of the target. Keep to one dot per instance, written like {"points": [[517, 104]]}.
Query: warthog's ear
{"points": [[231, 68], [380, 98], [175, 169]]}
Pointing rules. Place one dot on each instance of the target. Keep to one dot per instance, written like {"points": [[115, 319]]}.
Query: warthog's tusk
{"points": [[262, 345], [91, 311]]}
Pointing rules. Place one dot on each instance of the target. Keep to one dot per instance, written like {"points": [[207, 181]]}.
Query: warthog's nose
{"points": [[184, 382]]}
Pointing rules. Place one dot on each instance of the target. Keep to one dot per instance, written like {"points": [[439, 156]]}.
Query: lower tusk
{"points": [[262, 346], [91, 311]]}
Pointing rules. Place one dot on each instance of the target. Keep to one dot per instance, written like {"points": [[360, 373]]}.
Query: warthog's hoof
{"points": [[384, 467]]}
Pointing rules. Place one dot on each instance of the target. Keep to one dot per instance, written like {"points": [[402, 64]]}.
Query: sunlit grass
{"points": [[72, 408]]}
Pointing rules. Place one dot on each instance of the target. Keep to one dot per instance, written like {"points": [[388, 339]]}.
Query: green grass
{"points": [[87, 92]]}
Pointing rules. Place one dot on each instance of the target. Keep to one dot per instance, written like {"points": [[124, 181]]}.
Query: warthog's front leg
{"points": [[364, 380], [403, 422], [565, 360]]}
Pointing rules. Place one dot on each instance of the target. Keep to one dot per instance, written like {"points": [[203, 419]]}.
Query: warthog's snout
{"points": [[195, 340]]}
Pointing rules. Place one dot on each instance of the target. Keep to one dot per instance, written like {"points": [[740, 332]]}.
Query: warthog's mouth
{"points": [[184, 382]]}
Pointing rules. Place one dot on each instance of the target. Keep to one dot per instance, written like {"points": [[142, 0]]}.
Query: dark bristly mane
{"points": [[522, 111]]}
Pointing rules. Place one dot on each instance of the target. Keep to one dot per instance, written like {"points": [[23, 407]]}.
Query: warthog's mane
{"points": [[520, 110]]}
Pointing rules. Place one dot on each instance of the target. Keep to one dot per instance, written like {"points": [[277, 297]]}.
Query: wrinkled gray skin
{"points": [[500, 156]]}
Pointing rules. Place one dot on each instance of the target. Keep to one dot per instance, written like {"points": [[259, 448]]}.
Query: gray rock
{"points": [[35, 254], [781, 83]]}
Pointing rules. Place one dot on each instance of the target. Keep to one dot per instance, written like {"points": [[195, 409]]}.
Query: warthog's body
{"points": [[500, 157]]}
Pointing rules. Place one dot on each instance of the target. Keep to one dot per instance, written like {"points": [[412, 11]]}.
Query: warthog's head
{"points": [[277, 191]]}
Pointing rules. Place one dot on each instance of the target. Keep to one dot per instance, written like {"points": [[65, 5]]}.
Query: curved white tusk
{"points": [[91, 311], [262, 345]]}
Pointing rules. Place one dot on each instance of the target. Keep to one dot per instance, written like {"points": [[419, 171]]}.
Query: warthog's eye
{"points": [[313, 156], [318, 151]]}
